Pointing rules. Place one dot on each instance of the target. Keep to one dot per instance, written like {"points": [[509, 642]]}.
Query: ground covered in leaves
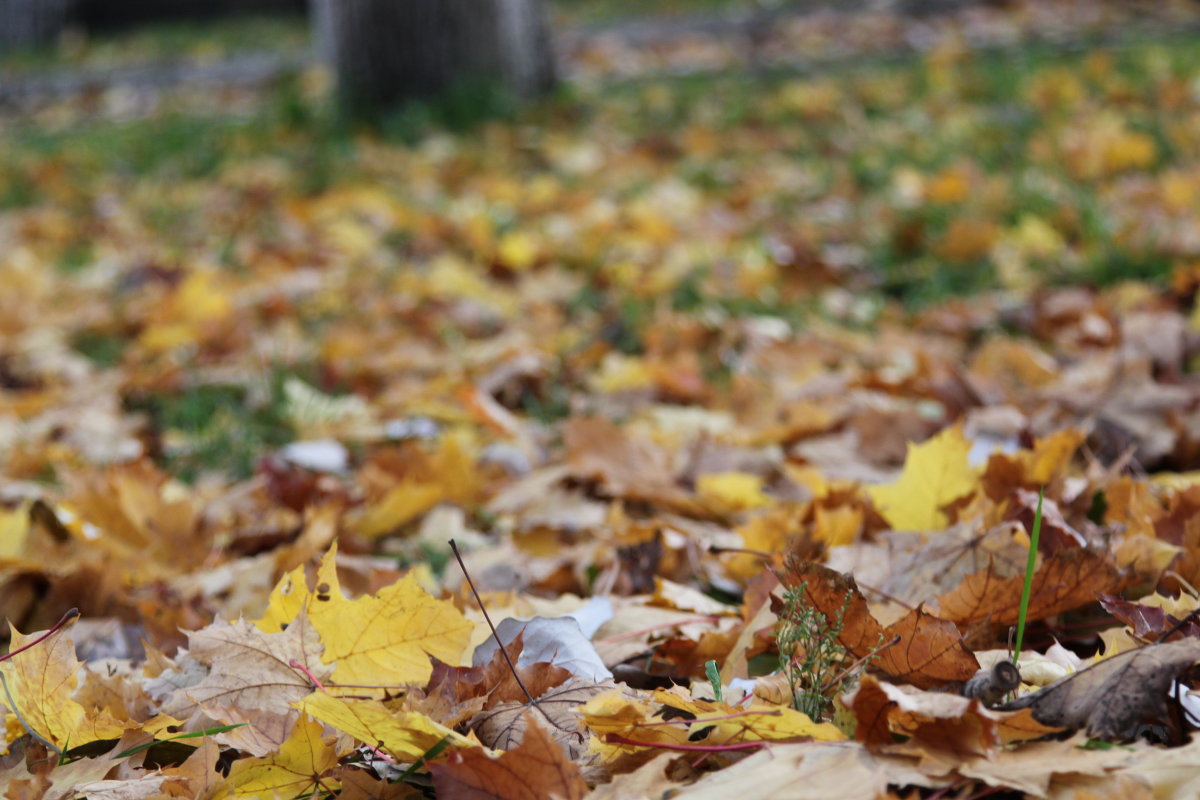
{"points": [[735, 392]]}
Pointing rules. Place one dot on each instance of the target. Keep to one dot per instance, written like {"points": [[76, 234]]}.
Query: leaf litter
{"points": [[664, 372]]}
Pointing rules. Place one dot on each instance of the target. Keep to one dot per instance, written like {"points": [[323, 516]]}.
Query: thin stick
{"points": [[503, 650], [860, 662], [1178, 625]]}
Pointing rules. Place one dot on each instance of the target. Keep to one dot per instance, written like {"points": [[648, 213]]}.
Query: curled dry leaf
{"points": [[1118, 698]]}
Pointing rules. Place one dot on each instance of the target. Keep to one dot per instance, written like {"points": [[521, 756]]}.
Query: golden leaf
{"points": [[936, 472]]}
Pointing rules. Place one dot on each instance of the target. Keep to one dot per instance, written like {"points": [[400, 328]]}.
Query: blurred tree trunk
{"points": [[385, 52], [26, 23]]}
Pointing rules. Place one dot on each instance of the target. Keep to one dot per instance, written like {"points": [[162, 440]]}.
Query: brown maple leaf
{"points": [[1068, 579], [538, 768]]}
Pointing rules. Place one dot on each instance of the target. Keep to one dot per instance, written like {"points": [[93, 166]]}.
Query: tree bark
{"points": [[26, 23], [385, 52]]}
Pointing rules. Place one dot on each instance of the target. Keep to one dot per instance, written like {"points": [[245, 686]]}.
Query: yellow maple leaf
{"points": [[297, 768], [936, 472], [42, 681], [407, 735], [383, 639], [732, 491]]}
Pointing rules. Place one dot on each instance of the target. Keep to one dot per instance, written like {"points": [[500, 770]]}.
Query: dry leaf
{"points": [[1068, 579], [537, 768], [1119, 697]]}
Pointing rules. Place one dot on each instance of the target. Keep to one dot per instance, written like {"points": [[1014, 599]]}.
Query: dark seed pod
{"points": [[990, 685]]}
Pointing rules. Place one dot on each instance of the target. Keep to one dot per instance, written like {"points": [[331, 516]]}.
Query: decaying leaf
{"points": [[954, 726], [298, 767], [1119, 698], [536, 768], [406, 735]]}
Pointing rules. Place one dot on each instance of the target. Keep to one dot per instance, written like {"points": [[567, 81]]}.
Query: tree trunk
{"points": [[385, 52], [26, 23]]}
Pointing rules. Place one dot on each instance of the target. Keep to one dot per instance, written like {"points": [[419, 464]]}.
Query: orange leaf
{"points": [[1067, 580]]}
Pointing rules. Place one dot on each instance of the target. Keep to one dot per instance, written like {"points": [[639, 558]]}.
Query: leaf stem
{"points": [[1027, 589]]}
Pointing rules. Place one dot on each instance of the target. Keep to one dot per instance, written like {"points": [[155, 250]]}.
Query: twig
{"points": [[842, 675], [1178, 625], [500, 644]]}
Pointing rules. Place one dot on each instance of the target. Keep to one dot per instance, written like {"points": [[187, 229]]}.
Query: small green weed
{"points": [[810, 653]]}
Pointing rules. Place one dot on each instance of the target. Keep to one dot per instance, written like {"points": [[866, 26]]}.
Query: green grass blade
{"points": [[192, 735], [1029, 566]]}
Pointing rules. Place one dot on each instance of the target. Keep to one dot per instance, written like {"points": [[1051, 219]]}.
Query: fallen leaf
{"points": [[42, 681], [930, 651], [299, 767], [384, 639], [503, 725], [936, 473], [537, 768], [405, 735], [1068, 579], [1116, 698]]}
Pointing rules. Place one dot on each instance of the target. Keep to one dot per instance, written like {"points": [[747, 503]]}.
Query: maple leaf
{"points": [[405, 735], [1067, 580], [298, 767], [384, 639], [252, 670], [935, 473], [537, 768], [42, 681]]}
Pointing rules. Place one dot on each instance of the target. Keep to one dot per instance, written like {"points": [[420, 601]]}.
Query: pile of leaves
{"points": [[744, 522]]}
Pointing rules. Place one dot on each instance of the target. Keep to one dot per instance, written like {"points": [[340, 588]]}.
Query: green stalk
{"points": [[1029, 566]]}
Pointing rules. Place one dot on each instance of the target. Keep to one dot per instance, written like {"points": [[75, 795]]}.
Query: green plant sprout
{"points": [[714, 677], [1029, 567], [810, 653]]}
